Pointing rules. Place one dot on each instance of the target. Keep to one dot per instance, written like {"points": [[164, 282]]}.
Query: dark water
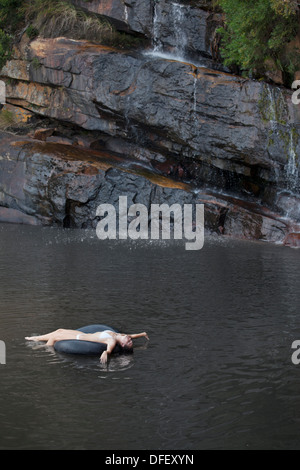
{"points": [[217, 373]]}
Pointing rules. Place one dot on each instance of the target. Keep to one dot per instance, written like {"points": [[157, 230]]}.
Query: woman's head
{"points": [[125, 341]]}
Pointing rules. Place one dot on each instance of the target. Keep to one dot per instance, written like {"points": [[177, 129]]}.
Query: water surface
{"points": [[217, 373]]}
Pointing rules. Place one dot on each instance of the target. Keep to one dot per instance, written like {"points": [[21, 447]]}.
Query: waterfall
{"points": [[126, 13], [177, 15], [292, 165], [175, 45], [271, 109], [156, 43], [275, 112], [195, 94], [169, 36]]}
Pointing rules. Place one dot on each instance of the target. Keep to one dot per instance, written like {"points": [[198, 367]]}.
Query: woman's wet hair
{"points": [[125, 349]]}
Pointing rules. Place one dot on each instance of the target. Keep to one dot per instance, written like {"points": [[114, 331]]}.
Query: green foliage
{"points": [[257, 31], [9, 14], [35, 63], [9, 18], [53, 18], [6, 119], [285, 7], [5, 51], [32, 32]]}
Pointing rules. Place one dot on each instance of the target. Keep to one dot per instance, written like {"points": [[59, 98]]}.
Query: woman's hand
{"points": [[104, 358], [110, 343], [140, 335]]}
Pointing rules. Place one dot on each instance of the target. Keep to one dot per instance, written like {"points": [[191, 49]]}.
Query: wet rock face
{"points": [[45, 183], [169, 25], [132, 15], [54, 184], [293, 240], [182, 117], [186, 31], [220, 126]]}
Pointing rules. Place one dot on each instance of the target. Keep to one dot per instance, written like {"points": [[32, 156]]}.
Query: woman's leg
{"points": [[40, 338], [57, 335]]}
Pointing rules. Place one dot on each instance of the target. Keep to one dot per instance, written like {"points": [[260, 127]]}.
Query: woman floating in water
{"points": [[108, 337]]}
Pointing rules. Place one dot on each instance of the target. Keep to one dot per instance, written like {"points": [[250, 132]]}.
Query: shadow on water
{"points": [[117, 362]]}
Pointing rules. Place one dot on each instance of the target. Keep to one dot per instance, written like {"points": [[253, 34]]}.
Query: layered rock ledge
{"points": [[232, 143], [55, 184]]}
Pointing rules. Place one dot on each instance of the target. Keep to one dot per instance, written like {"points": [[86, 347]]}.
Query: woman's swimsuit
{"points": [[102, 335]]}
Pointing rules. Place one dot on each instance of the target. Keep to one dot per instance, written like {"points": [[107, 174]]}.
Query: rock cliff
{"points": [[164, 123]]}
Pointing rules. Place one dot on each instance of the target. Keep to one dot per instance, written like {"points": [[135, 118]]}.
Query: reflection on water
{"points": [[117, 362], [216, 374]]}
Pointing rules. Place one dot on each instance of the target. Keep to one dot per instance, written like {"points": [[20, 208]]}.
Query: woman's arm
{"points": [[140, 335], [111, 344]]}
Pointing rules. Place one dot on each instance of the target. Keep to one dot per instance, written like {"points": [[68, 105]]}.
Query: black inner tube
{"points": [[88, 348]]}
